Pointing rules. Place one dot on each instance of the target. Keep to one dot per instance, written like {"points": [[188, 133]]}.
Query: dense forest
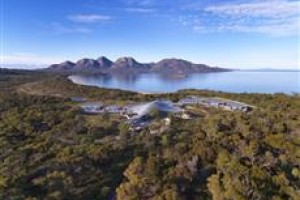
{"points": [[50, 149]]}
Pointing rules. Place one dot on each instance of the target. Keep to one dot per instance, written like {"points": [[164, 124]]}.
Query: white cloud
{"points": [[268, 8], [272, 27], [58, 28], [270, 17], [140, 10], [140, 2], [92, 18]]}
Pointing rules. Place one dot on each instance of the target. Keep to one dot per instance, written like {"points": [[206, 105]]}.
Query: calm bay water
{"points": [[237, 82]]}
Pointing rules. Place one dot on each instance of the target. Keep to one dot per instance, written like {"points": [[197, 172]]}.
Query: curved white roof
{"points": [[160, 105]]}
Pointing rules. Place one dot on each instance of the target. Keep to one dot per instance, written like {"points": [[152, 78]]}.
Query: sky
{"points": [[225, 33]]}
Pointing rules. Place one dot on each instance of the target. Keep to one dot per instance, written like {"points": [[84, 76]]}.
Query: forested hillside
{"points": [[50, 149]]}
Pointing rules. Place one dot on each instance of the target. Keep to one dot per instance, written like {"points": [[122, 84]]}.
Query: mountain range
{"points": [[130, 65]]}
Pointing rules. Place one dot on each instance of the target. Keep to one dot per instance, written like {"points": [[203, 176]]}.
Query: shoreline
{"points": [[234, 85]]}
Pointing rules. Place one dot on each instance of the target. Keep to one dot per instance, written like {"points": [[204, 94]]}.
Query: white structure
{"points": [[160, 105], [216, 102], [92, 107]]}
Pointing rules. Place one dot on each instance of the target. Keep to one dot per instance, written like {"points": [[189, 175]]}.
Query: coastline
{"points": [[230, 82]]}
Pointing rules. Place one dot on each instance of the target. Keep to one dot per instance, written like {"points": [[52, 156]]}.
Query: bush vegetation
{"points": [[50, 150]]}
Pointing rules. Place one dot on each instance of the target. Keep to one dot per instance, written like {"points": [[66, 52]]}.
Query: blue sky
{"points": [[225, 33]]}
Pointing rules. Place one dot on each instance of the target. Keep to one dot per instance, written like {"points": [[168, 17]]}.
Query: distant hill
{"points": [[23, 66], [271, 70], [127, 65], [178, 66]]}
